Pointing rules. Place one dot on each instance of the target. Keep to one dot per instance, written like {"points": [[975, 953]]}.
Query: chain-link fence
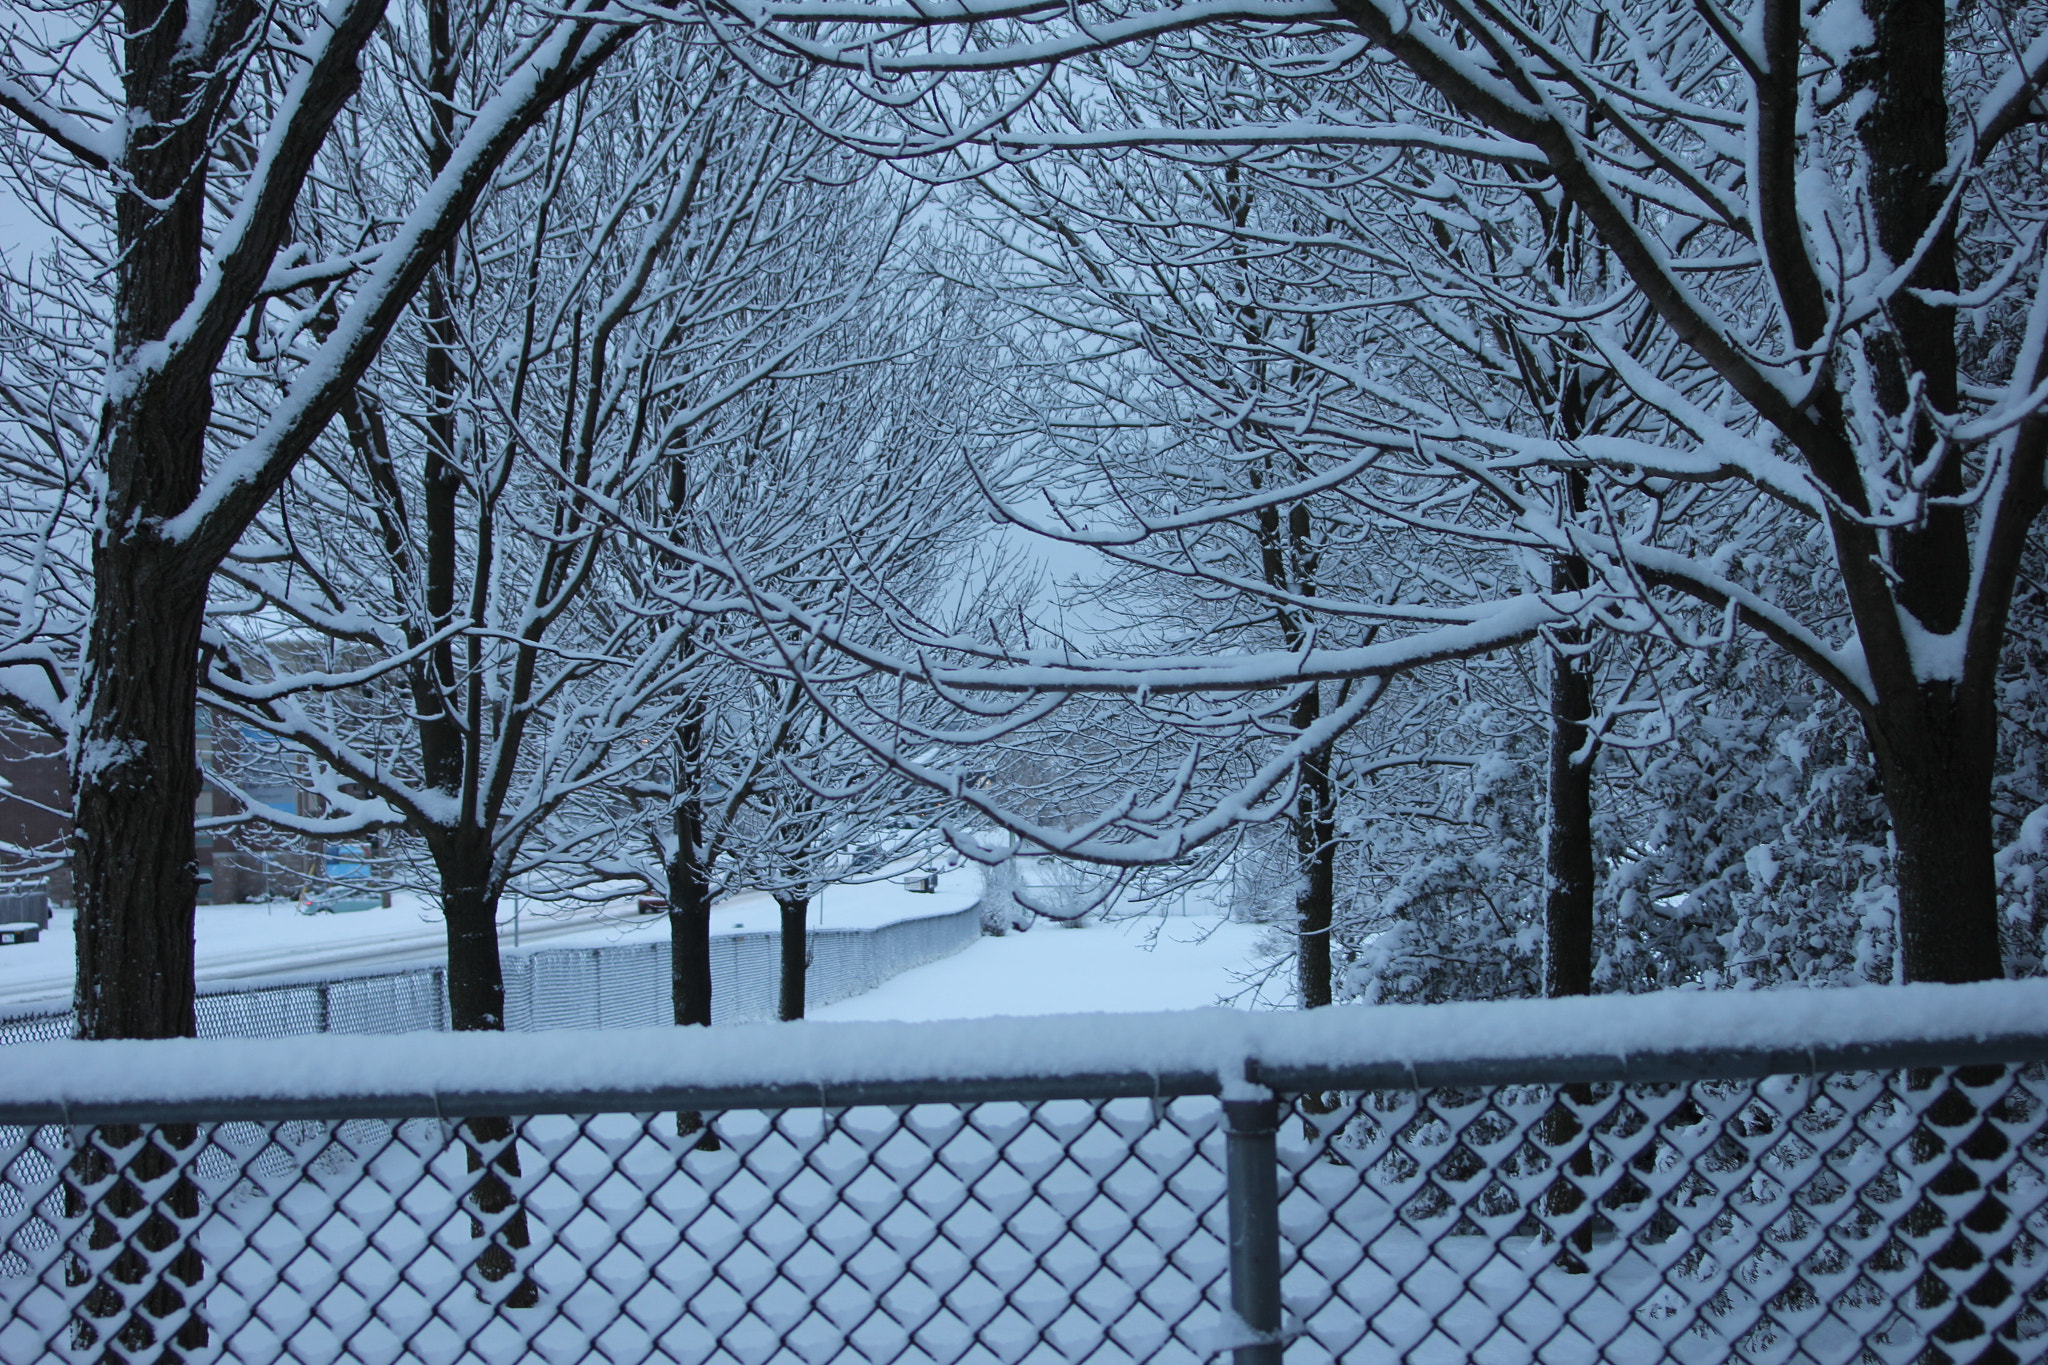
{"points": [[1877, 1208], [1861, 1216], [614, 986], [24, 907], [627, 985]]}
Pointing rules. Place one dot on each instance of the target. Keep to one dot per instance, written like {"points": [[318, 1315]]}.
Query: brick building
{"points": [[35, 821]]}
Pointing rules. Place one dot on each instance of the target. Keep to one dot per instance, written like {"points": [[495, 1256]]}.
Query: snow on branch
{"points": [[96, 147]]}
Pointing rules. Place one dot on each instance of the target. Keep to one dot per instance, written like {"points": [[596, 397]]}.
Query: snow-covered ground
{"points": [[1120, 966], [246, 943], [1183, 959]]}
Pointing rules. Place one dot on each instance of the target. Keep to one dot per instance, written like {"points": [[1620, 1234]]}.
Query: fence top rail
{"points": [[1676, 1036]]}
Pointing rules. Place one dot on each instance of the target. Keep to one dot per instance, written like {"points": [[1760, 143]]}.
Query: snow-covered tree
{"points": [[619, 286], [835, 480], [179, 156], [1823, 306]]}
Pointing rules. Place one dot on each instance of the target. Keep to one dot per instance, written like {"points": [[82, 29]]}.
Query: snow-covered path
{"points": [[1122, 967]]}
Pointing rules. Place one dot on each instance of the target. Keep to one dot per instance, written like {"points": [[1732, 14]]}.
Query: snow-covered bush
{"points": [[1000, 910], [1448, 879], [1759, 855]]}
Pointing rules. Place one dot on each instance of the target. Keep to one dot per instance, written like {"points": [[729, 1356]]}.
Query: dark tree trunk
{"points": [[476, 975], [1568, 834], [1288, 560], [689, 919], [135, 774], [1937, 786], [444, 746], [112, 1192], [1568, 914], [1568, 845], [1568, 827], [1315, 897], [137, 784], [492, 1147], [796, 956], [1568, 928], [1973, 1286], [689, 932], [1935, 742], [476, 1003]]}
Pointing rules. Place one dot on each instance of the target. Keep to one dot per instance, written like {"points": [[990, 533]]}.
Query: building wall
{"points": [[35, 821], [35, 801]]}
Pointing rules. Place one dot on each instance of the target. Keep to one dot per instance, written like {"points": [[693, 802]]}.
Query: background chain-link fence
{"points": [[616, 986], [1846, 1216], [24, 907]]}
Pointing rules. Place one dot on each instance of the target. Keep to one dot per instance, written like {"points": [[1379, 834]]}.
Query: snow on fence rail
{"points": [[1813, 1177], [614, 986]]}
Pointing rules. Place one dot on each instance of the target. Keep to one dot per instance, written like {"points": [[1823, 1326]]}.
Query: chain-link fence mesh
{"points": [[614, 986], [627, 985], [1848, 1217], [1066, 1230]]}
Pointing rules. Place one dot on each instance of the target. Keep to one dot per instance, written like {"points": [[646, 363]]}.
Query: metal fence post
{"points": [[1251, 1166]]}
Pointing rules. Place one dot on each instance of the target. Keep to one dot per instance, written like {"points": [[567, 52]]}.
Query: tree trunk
{"points": [[689, 920], [1568, 837], [1937, 787], [1315, 897], [1568, 874], [1975, 1287], [1935, 742], [136, 776], [795, 954], [491, 1145], [476, 1004], [1568, 932], [689, 933], [476, 977], [135, 769], [1568, 828], [136, 766], [112, 1192], [1568, 913]]}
